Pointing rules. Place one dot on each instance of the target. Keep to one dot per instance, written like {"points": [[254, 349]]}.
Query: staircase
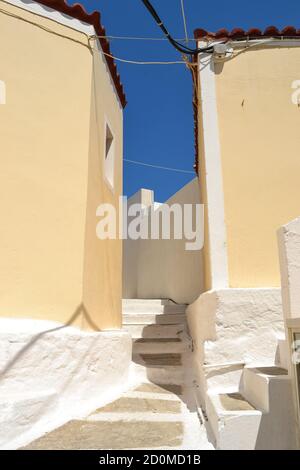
{"points": [[159, 339], [159, 409], [257, 415]]}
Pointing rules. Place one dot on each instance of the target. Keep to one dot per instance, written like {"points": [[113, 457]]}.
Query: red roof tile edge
{"points": [[78, 12], [253, 33]]}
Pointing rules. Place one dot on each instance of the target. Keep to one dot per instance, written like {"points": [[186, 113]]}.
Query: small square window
{"points": [[109, 155]]}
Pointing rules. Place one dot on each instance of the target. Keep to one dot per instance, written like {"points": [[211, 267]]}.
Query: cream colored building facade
{"points": [[247, 128], [63, 105], [63, 351], [248, 136]]}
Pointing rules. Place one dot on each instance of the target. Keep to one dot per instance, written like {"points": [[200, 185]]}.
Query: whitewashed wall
{"points": [[50, 374], [232, 328], [289, 257], [163, 268]]}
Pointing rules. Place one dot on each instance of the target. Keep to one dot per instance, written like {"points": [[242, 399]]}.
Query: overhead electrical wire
{"points": [[137, 38], [180, 47], [137, 62], [157, 166], [184, 22]]}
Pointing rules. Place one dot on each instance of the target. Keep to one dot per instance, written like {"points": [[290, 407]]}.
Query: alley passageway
{"points": [[159, 409]]}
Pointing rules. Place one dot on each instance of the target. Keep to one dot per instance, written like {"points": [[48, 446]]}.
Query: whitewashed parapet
{"points": [[51, 373], [289, 257]]}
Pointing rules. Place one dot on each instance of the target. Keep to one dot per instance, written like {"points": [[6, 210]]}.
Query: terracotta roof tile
{"points": [[78, 12], [239, 33]]}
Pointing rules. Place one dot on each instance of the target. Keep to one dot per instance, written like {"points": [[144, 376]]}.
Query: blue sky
{"points": [[159, 118]]}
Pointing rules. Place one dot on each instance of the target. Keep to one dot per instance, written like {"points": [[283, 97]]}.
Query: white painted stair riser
{"points": [[160, 375], [284, 359], [261, 390], [273, 395], [155, 331], [152, 318], [159, 347], [151, 306], [232, 430]]}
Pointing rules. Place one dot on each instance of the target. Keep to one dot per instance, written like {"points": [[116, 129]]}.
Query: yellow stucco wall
{"points": [[103, 259], [260, 142], [52, 151]]}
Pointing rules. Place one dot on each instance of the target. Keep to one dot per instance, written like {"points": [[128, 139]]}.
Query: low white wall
{"points": [[231, 328], [289, 257], [163, 268], [50, 374], [131, 249]]}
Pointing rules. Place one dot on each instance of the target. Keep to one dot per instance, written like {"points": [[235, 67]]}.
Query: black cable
{"points": [[158, 20], [180, 47]]}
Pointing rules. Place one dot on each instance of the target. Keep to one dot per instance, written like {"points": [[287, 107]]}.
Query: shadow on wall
{"points": [[163, 268], [51, 374], [80, 311]]}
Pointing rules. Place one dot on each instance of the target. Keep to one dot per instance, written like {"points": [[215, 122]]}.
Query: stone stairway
{"points": [[257, 415], [158, 330], [159, 410]]}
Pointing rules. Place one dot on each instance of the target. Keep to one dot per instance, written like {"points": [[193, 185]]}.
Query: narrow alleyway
{"points": [[159, 410]]}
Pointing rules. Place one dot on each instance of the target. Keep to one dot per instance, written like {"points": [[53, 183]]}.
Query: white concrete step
{"points": [[152, 318], [20, 412], [173, 375], [283, 359], [264, 386], [159, 345], [234, 422], [270, 389], [155, 331], [158, 360], [158, 306]]}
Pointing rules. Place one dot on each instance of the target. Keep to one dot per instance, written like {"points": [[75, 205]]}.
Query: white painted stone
{"points": [[156, 306], [151, 396], [162, 347], [19, 412], [152, 318], [159, 374], [213, 171], [194, 436], [233, 430], [155, 331], [269, 426], [236, 325], [272, 395], [261, 389], [232, 327], [283, 354], [224, 377], [289, 257], [180, 273], [80, 370]]}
